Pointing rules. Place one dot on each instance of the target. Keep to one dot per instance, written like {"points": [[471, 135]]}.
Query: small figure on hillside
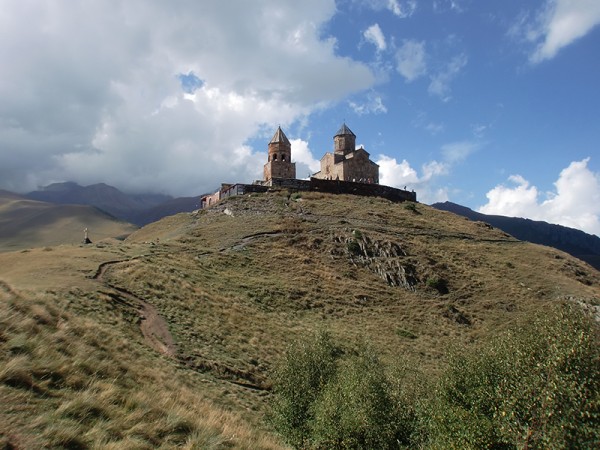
{"points": [[86, 238]]}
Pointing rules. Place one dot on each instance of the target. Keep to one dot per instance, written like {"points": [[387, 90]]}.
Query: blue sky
{"points": [[491, 104]]}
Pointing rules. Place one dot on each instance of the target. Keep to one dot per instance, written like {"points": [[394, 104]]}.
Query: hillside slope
{"points": [[575, 242], [28, 223], [200, 307]]}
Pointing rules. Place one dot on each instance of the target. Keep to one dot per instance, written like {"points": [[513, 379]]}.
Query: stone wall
{"points": [[369, 190], [279, 169], [314, 184]]}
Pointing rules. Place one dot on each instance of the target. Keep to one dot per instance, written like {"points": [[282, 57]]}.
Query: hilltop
{"points": [[199, 307]]}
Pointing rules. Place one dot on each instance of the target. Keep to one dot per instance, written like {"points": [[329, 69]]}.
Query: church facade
{"points": [[345, 163]]}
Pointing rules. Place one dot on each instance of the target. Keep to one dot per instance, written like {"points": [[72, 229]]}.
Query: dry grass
{"points": [[235, 287], [68, 381]]}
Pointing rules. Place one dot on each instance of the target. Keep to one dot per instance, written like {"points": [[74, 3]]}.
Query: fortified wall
{"points": [[314, 185]]}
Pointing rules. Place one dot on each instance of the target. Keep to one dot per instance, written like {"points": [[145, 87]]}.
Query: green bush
{"points": [[300, 378], [439, 284], [533, 387], [324, 400], [354, 247], [411, 206], [356, 409]]}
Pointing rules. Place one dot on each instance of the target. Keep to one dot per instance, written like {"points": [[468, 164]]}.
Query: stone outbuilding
{"points": [[347, 163]]}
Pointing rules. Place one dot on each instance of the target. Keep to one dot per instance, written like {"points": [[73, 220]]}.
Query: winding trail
{"points": [[153, 327], [156, 333]]}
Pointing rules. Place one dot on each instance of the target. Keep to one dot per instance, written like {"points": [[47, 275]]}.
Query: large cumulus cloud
{"points": [[91, 91], [575, 201]]}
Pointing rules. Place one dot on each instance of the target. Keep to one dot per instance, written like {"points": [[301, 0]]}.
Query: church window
{"points": [[275, 157], [283, 157]]}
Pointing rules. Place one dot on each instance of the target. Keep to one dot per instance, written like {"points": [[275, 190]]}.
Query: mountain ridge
{"points": [[578, 243], [139, 209]]}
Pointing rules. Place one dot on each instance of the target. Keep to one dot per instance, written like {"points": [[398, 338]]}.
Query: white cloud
{"points": [[574, 203], [556, 25], [306, 164], [440, 6], [93, 92], [372, 105], [440, 82], [402, 175], [375, 36], [422, 121], [411, 60], [458, 151], [402, 9]]}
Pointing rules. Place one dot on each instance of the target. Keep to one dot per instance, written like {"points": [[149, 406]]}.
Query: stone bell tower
{"points": [[344, 141], [280, 163]]}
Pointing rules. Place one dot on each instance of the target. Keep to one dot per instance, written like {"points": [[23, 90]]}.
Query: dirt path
{"points": [[153, 327]]}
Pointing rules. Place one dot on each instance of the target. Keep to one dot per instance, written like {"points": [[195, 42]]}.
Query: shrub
{"points": [[411, 206], [300, 378], [534, 387], [439, 284], [325, 401], [354, 247], [356, 409]]}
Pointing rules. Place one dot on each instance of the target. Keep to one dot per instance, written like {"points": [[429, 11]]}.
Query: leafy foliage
{"points": [[324, 399], [537, 387], [437, 283], [301, 377], [356, 409]]}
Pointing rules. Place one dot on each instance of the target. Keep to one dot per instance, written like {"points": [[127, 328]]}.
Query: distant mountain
{"points": [[139, 209], [168, 208], [26, 223], [575, 242]]}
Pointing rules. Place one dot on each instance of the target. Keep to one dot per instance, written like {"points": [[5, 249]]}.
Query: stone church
{"points": [[346, 163], [347, 170]]}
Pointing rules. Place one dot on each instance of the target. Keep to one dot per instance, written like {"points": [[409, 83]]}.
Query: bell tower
{"points": [[344, 141], [279, 164]]}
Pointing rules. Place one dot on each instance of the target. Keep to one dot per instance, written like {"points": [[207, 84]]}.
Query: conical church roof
{"points": [[344, 131], [279, 136]]}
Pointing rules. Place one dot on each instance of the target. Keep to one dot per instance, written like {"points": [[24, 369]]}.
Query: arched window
{"points": [[283, 157], [274, 156]]}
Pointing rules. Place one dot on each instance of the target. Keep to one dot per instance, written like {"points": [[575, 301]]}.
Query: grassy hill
{"points": [[28, 223], [171, 337]]}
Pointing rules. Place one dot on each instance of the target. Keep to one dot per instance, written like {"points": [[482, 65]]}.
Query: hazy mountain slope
{"points": [[575, 242], [167, 208], [233, 285], [27, 223], [135, 208]]}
